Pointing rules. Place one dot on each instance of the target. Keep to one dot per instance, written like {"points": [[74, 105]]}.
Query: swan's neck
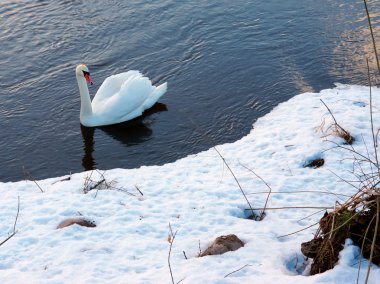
{"points": [[85, 106]]}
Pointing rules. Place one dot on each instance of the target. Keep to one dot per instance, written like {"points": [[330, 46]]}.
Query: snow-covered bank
{"points": [[198, 196]]}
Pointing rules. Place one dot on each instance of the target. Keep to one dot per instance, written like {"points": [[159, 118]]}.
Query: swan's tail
{"points": [[156, 95]]}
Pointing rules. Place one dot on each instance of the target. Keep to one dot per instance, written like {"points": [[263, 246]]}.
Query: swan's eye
{"points": [[86, 73]]}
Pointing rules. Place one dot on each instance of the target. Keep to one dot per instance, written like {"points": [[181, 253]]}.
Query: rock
{"points": [[315, 163], [223, 244], [79, 221]]}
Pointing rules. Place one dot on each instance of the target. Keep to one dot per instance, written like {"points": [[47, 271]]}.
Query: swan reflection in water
{"points": [[128, 133]]}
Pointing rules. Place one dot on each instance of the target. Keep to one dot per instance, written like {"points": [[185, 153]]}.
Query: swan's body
{"points": [[120, 98]]}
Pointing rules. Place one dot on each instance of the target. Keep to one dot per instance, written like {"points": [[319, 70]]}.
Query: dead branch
{"points": [[372, 36], [241, 189], [184, 254], [293, 207], [237, 270], [298, 231], [362, 247], [64, 179], [354, 152], [27, 173], [14, 225], [370, 97], [300, 191], [171, 240], [340, 131], [308, 216], [374, 238], [142, 194], [199, 246], [101, 184], [262, 214], [203, 133]]}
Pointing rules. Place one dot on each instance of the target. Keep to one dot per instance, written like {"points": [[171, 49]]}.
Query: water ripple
{"points": [[226, 62]]}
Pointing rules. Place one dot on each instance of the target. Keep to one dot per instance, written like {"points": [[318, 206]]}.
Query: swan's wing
{"points": [[127, 102], [155, 95], [112, 85]]}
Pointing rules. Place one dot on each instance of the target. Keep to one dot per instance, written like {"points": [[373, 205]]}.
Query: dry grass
{"points": [[336, 129], [100, 182]]}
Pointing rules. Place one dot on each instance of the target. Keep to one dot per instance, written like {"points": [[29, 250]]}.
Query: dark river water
{"points": [[226, 62]]}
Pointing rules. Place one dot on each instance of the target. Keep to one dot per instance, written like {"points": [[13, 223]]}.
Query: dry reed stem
{"points": [[207, 139], [171, 240], [14, 225], [237, 270], [370, 101], [262, 214], [138, 189], [372, 35], [293, 207], [362, 247], [308, 216], [103, 184], [374, 138], [374, 238], [299, 191], [333, 221], [365, 159], [26, 172], [339, 130], [199, 246], [298, 230]]}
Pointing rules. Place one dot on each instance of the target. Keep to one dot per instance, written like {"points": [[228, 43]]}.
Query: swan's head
{"points": [[82, 71]]}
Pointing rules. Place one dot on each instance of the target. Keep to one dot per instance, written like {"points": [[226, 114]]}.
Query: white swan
{"points": [[120, 98]]}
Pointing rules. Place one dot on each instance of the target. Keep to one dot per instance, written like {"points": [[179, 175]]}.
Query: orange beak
{"points": [[88, 79]]}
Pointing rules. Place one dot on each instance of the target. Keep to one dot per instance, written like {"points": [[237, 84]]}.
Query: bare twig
{"points": [[262, 214], [370, 100], [300, 191], [372, 36], [10, 236], [15, 223], [199, 246], [18, 211], [97, 184], [64, 179], [332, 223], [171, 240], [319, 211], [241, 189], [203, 133], [142, 194], [225, 276], [374, 238], [102, 184], [340, 130], [353, 151], [298, 231], [362, 248], [26, 172], [346, 181], [293, 207]]}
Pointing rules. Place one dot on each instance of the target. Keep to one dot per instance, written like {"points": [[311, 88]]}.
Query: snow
{"points": [[200, 199]]}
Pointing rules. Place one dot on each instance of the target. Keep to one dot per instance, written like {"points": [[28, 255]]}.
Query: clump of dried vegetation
{"points": [[336, 129], [357, 219], [100, 182]]}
